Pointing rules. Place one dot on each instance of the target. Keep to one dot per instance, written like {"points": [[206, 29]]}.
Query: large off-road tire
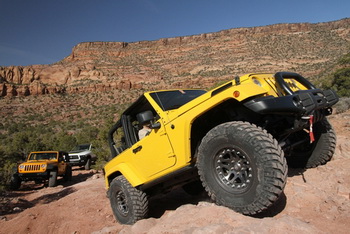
{"points": [[242, 167], [128, 203], [317, 153], [53, 179], [88, 164], [15, 182], [68, 175]]}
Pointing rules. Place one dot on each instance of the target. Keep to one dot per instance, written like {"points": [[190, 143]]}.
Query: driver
{"points": [[144, 118], [145, 130]]}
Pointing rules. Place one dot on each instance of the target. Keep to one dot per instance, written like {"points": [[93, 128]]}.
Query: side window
{"points": [[119, 139]]}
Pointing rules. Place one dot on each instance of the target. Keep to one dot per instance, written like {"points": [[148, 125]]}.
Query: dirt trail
{"points": [[315, 201]]}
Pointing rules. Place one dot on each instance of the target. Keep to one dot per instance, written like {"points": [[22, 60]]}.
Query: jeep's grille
{"points": [[73, 156], [32, 168]]}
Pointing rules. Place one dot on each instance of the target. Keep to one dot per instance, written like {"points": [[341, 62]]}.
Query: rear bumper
{"points": [[301, 103]]}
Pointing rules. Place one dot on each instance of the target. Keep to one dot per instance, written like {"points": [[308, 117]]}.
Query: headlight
{"points": [[21, 166], [257, 82], [43, 165]]}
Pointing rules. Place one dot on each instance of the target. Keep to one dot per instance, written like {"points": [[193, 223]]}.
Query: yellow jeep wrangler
{"points": [[42, 166], [234, 141]]}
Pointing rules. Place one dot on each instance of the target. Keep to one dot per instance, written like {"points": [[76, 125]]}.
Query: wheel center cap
{"points": [[237, 166]]}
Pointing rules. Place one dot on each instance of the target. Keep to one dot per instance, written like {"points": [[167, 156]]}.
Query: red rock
{"points": [[186, 62]]}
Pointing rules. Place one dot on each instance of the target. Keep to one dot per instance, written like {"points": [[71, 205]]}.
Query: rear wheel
{"points": [[242, 167], [53, 179], [68, 175], [319, 152], [128, 203]]}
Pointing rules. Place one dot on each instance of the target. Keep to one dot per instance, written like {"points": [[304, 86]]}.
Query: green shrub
{"points": [[341, 82]]}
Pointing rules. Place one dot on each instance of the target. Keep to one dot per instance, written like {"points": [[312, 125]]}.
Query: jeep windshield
{"points": [[81, 147], [43, 156], [170, 100]]}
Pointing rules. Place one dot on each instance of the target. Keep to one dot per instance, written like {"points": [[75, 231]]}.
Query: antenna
{"points": [[237, 80]]}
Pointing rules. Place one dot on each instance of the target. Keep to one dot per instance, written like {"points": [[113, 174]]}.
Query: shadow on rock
{"points": [[171, 201], [17, 205], [81, 177], [295, 171]]}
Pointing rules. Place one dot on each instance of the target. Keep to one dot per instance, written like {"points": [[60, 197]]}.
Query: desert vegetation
{"points": [[56, 122]]}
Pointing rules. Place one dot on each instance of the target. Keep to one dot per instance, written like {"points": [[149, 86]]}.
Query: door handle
{"points": [[137, 149]]}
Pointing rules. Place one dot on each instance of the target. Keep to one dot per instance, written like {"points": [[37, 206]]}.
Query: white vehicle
{"points": [[81, 155]]}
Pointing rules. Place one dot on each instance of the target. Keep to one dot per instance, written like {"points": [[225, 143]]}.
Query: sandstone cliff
{"points": [[189, 61]]}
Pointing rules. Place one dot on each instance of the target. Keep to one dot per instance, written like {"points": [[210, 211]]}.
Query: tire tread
{"points": [[272, 157]]}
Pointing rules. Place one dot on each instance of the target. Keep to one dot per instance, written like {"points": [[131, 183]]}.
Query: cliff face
{"points": [[191, 61]]}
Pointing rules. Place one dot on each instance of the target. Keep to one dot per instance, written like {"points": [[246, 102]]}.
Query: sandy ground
{"points": [[315, 201]]}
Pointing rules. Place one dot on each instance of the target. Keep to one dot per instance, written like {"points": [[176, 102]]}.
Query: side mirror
{"points": [[66, 158], [147, 117], [155, 125]]}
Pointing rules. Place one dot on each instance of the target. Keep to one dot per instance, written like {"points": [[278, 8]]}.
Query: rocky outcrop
{"points": [[190, 61]]}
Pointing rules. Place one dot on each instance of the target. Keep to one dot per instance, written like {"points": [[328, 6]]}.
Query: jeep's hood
{"points": [[39, 161]]}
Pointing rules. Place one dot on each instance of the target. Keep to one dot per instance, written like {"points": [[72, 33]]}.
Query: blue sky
{"points": [[45, 31]]}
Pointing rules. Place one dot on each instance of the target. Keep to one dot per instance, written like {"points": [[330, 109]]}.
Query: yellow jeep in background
{"points": [[233, 141], [42, 166]]}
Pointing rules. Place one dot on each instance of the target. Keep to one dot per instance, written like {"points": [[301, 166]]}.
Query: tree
{"points": [[64, 142], [87, 134]]}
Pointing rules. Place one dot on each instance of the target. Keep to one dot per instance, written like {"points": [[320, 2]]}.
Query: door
{"points": [[61, 164], [153, 153]]}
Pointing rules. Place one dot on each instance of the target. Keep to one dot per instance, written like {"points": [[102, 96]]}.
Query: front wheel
{"points": [[15, 182], [128, 203], [53, 179], [242, 167], [88, 164]]}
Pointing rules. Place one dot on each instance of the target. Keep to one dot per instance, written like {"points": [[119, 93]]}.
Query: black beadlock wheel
{"points": [[233, 169], [128, 203], [309, 155], [242, 167]]}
